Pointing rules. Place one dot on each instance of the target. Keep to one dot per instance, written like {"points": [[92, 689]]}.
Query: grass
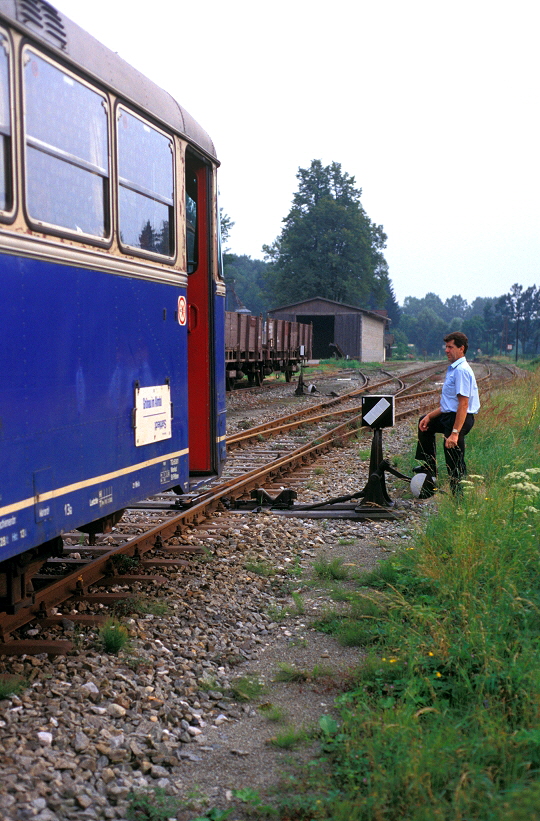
{"points": [[294, 568], [357, 625], [247, 688], [141, 606], [330, 569], [124, 564], [153, 805], [274, 713], [114, 637], [260, 568], [207, 683], [277, 613], [290, 674], [442, 718], [299, 608], [11, 685]]}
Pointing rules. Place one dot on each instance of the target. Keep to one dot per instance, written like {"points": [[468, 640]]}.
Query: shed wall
{"points": [[348, 334], [372, 345]]}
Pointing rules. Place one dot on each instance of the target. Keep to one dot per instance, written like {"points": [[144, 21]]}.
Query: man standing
{"points": [[455, 416]]}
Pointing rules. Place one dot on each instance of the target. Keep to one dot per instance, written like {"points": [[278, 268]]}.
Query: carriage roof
{"points": [[44, 23]]}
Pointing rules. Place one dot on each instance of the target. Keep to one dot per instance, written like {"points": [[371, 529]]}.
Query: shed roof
{"points": [[352, 308]]}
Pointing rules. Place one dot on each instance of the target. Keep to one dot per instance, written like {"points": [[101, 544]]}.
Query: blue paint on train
{"points": [[74, 343]]}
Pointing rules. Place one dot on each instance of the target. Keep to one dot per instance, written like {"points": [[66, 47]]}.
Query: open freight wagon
{"points": [[255, 348]]}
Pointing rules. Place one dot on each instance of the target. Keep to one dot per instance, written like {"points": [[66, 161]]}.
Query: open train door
{"points": [[200, 317]]}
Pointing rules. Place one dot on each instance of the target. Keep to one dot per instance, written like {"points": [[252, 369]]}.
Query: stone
{"points": [[159, 772], [81, 742], [110, 724], [116, 710], [90, 688], [45, 739]]}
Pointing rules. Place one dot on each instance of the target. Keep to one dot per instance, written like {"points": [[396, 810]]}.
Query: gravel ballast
{"points": [[91, 728]]}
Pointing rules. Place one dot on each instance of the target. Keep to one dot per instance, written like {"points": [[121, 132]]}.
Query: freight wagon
{"points": [[255, 348]]}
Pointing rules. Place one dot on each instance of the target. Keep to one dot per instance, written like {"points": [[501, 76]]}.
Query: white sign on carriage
{"points": [[152, 414]]}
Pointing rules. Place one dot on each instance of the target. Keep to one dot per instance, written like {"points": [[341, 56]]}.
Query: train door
{"points": [[200, 317]]}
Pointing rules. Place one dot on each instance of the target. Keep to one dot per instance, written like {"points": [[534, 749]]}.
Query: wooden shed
{"points": [[338, 328]]}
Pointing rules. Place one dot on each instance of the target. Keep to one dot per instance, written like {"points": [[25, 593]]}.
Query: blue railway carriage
{"points": [[112, 374]]}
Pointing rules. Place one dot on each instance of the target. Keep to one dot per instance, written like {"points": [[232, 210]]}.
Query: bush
{"points": [[442, 722]]}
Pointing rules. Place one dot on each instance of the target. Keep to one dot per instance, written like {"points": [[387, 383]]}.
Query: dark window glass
{"points": [[146, 177], [66, 150], [191, 221], [5, 128]]}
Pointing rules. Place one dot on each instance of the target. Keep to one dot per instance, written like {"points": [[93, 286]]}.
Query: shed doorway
{"points": [[323, 334]]}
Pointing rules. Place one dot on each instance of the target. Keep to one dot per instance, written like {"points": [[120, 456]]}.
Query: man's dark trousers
{"points": [[455, 457]]}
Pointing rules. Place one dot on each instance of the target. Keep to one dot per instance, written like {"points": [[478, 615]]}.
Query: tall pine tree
{"points": [[328, 246]]}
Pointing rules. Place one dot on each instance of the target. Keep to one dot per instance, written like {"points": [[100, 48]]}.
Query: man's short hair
{"points": [[459, 340]]}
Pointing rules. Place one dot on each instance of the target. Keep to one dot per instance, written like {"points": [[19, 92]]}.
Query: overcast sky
{"points": [[431, 106]]}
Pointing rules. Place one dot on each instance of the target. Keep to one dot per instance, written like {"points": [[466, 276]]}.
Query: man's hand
{"points": [[461, 414], [424, 422]]}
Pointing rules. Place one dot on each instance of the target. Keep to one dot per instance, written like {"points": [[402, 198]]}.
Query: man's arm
{"points": [[461, 415], [424, 421]]}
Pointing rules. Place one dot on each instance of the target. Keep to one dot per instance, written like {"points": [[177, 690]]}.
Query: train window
{"points": [[146, 186], [66, 150], [191, 221], [6, 200]]}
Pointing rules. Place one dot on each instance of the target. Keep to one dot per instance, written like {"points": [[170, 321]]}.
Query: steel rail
{"points": [[282, 422], [77, 583]]}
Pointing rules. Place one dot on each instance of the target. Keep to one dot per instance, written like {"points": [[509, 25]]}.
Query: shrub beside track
{"points": [[443, 720]]}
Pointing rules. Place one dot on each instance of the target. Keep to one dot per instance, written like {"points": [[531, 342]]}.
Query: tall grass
{"points": [[443, 721]]}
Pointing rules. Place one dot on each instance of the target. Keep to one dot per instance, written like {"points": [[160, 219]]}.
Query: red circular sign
{"points": [[182, 310]]}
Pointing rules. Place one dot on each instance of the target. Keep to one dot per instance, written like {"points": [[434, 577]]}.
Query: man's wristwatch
{"points": [[455, 431]]}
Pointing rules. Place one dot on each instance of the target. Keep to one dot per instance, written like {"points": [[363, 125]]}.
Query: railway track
{"points": [[162, 522]]}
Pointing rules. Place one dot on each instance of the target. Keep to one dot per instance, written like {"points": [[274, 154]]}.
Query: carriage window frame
{"points": [[59, 154], [192, 210], [125, 184], [7, 214]]}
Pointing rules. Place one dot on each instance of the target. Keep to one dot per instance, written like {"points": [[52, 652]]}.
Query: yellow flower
{"points": [[439, 675]]}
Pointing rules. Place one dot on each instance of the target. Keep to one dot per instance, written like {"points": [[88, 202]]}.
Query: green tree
{"points": [[425, 330], [521, 308], [328, 246], [246, 283], [226, 225], [455, 308], [475, 330], [413, 306]]}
